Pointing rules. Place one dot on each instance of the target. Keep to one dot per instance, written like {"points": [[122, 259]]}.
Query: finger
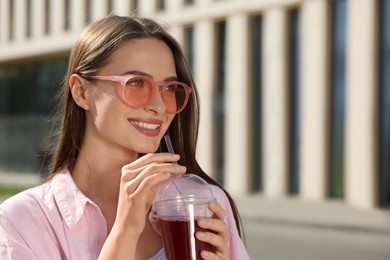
{"points": [[150, 177], [137, 175], [151, 183], [215, 240], [218, 211], [215, 225], [133, 169], [206, 255], [142, 195], [156, 224], [135, 201], [152, 157]]}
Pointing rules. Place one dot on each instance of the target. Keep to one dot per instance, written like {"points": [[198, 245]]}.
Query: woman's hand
{"points": [[140, 181], [138, 186], [217, 236]]}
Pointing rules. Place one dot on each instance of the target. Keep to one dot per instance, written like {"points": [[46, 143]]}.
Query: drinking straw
{"points": [[170, 150], [169, 144]]}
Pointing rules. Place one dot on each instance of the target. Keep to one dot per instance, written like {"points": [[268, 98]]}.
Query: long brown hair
{"points": [[91, 52]]}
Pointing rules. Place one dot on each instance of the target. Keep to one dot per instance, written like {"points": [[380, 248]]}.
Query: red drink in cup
{"points": [[178, 248], [179, 203]]}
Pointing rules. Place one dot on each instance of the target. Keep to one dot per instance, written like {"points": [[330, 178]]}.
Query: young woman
{"points": [[127, 86]]}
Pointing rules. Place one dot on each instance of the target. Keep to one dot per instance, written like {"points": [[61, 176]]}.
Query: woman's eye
{"points": [[139, 83], [172, 88]]}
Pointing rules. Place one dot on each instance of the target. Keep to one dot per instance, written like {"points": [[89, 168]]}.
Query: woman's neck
{"points": [[97, 173], [97, 170]]}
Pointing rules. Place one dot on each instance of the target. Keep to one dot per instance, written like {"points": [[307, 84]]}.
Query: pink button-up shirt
{"points": [[57, 221]]}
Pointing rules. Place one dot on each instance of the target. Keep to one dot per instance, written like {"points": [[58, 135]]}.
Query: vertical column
{"points": [[237, 112], [204, 77], [147, 7], [174, 5], [177, 32], [361, 105], [99, 9], [314, 159], [38, 19], [203, 2], [121, 7], [77, 15], [275, 117], [4, 22], [19, 20], [57, 17]]}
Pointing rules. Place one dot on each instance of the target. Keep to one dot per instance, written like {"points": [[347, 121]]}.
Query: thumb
{"points": [[156, 224]]}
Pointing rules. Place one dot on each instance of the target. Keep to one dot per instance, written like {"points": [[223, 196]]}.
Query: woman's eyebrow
{"points": [[137, 72], [172, 78]]}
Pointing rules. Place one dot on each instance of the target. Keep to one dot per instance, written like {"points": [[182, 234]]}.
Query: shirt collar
{"points": [[70, 200]]}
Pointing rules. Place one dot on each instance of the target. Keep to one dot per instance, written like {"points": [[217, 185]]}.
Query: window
{"points": [[28, 18], [189, 46], [88, 11], [109, 6], [134, 6], [257, 77], [11, 20], [160, 5], [219, 100], [384, 104], [338, 45], [26, 94], [294, 102], [47, 16], [66, 15], [189, 2]]}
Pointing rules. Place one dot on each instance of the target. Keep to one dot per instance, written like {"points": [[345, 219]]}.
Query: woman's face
{"points": [[112, 122]]}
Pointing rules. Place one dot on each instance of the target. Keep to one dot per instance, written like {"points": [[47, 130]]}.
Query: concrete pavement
{"points": [[19, 179], [285, 228], [272, 241]]}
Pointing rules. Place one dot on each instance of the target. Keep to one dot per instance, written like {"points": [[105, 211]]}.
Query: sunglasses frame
{"points": [[161, 85]]}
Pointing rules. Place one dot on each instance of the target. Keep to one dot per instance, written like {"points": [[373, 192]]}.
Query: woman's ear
{"points": [[79, 90]]}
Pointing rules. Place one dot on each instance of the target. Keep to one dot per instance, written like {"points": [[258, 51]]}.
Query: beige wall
{"points": [[361, 113], [315, 100]]}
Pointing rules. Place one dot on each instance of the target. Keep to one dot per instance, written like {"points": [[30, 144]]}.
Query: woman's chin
{"points": [[148, 149]]}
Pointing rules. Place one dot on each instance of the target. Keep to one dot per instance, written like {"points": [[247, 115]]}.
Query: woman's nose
{"points": [[156, 104]]}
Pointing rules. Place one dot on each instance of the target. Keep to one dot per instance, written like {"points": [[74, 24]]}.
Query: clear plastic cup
{"points": [[179, 203]]}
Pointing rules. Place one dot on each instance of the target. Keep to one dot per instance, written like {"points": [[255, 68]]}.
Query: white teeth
{"points": [[145, 125]]}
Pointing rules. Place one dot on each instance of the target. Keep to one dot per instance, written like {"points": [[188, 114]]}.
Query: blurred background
{"points": [[295, 109]]}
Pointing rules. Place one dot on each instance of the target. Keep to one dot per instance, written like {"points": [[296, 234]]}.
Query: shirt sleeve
{"points": [[12, 245], [237, 247]]}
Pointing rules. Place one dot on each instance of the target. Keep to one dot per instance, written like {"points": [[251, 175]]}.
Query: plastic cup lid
{"points": [[186, 187]]}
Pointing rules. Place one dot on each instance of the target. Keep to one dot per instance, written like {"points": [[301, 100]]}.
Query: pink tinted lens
{"points": [[137, 92], [174, 96]]}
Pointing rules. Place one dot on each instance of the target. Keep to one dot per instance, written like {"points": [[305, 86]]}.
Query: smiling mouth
{"points": [[145, 125]]}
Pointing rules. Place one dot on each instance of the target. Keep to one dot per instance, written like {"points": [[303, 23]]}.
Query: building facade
{"points": [[294, 94]]}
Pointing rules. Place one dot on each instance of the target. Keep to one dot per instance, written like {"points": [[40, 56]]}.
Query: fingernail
{"points": [[180, 167], [202, 222], [175, 156], [212, 205], [204, 253], [200, 234]]}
